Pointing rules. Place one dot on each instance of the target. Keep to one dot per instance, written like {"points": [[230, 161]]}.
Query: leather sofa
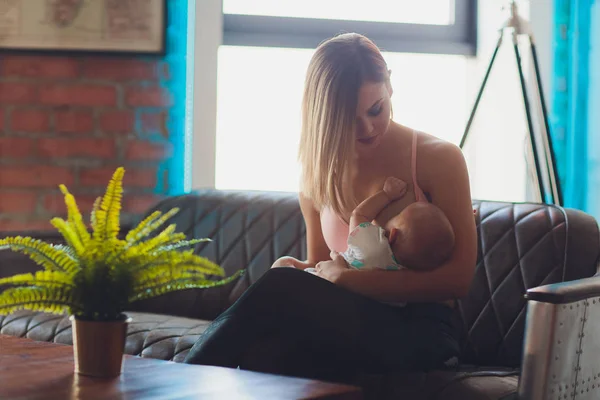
{"points": [[532, 301]]}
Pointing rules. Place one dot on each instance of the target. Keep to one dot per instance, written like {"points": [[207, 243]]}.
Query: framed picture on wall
{"points": [[122, 26]]}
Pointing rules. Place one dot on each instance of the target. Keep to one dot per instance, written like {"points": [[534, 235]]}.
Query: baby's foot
{"points": [[395, 188]]}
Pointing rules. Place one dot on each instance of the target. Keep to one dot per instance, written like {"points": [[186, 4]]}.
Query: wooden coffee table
{"points": [[41, 370]]}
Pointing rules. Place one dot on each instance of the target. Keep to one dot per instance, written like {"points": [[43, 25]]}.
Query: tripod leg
{"points": [[552, 169], [536, 157], [478, 98]]}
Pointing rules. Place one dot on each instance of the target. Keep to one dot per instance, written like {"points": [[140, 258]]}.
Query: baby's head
{"points": [[421, 237]]}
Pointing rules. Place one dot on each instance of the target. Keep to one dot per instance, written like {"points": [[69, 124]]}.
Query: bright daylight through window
{"points": [[435, 12], [260, 89]]}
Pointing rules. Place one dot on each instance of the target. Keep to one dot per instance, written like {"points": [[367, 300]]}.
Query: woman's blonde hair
{"points": [[335, 74]]}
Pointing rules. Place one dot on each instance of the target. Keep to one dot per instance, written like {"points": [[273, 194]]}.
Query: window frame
{"points": [[459, 38]]}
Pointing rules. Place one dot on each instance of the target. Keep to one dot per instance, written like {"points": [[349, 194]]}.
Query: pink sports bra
{"points": [[335, 229]]}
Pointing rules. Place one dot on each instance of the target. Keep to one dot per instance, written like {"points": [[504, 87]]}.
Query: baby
{"points": [[419, 238]]}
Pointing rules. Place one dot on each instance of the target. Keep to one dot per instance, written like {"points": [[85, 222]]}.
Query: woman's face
{"points": [[372, 115]]}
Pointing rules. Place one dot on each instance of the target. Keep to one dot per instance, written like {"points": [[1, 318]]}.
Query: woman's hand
{"points": [[332, 269]]}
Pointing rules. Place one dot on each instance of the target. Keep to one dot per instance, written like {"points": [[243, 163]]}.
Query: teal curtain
{"points": [[570, 98], [593, 193], [174, 175]]}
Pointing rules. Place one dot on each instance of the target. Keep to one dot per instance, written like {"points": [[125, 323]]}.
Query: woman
{"points": [[349, 146]]}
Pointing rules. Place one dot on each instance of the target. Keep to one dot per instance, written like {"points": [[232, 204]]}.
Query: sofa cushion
{"points": [[148, 335]]}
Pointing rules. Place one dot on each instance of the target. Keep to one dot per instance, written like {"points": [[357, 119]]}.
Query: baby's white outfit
{"points": [[368, 247]]}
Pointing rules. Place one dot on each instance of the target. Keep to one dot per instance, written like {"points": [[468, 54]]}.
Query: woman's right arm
{"points": [[316, 247]]}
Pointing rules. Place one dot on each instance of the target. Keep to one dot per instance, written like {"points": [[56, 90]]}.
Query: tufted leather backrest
{"points": [[520, 246], [249, 230]]}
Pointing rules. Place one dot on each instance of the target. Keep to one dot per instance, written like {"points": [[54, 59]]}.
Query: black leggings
{"points": [[339, 329]]}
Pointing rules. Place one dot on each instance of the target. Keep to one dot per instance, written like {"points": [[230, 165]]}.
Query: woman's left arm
{"points": [[444, 171]]}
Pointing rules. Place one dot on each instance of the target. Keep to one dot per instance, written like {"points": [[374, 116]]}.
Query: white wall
{"points": [[542, 25], [541, 16], [208, 35]]}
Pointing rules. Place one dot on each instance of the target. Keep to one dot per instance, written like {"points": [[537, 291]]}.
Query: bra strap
{"points": [[417, 189]]}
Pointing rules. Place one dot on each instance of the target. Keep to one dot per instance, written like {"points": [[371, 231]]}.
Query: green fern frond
{"points": [[49, 300], [153, 290], [74, 216], [179, 245], [107, 215], [96, 275], [42, 253], [164, 273], [166, 237], [67, 231], [134, 238], [66, 250], [135, 261], [161, 276], [93, 217], [136, 252], [174, 261], [149, 225], [133, 233], [41, 278]]}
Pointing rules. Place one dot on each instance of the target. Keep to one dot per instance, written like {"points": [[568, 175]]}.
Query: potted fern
{"points": [[95, 275]]}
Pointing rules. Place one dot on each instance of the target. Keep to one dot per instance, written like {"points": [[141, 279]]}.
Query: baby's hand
{"points": [[394, 188]]}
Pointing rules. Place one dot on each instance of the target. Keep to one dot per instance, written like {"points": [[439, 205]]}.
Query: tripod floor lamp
{"points": [[540, 139]]}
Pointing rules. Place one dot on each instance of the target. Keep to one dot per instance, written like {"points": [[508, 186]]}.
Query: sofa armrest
{"points": [[561, 353], [566, 292]]}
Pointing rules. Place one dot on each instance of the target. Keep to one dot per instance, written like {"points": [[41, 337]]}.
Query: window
{"points": [[267, 45], [424, 26], [261, 59]]}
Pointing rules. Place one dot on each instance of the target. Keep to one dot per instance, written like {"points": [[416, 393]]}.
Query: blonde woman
{"points": [[347, 321]]}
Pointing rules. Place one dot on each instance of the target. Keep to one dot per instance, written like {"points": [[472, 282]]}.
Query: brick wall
{"points": [[73, 120]]}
